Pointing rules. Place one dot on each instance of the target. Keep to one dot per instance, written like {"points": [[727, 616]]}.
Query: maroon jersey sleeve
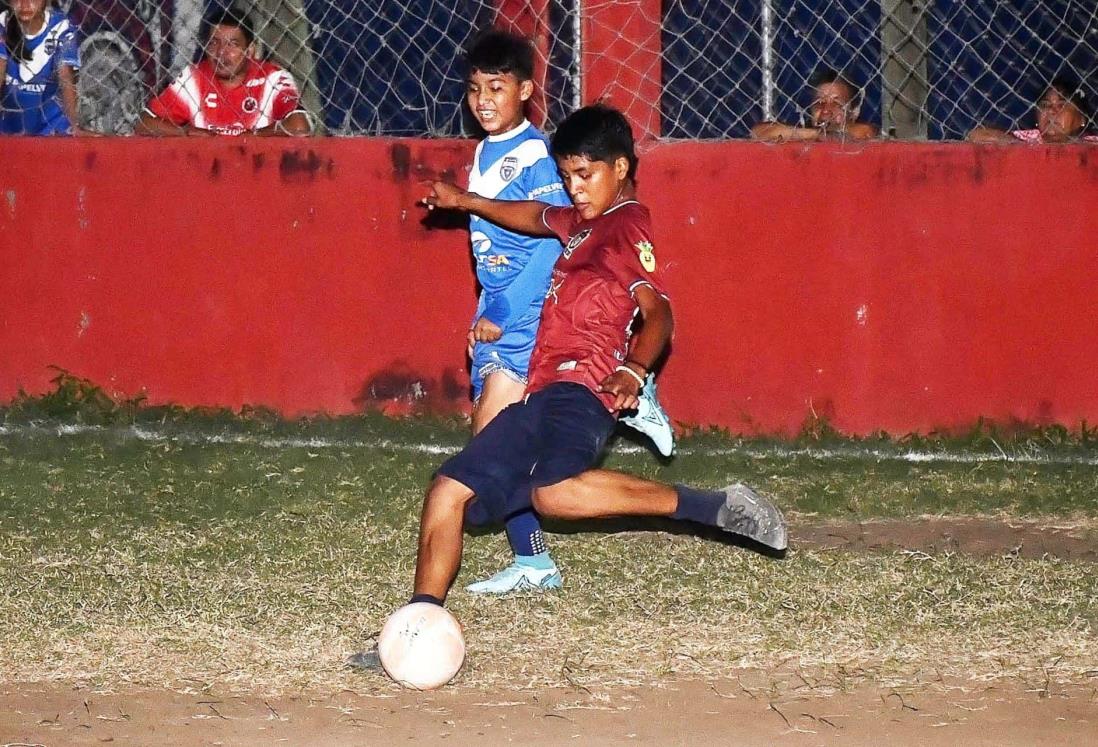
{"points": [[634, 261], [559, 220]]}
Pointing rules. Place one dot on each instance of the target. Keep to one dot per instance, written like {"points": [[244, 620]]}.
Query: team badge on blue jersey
{"points": [[508, 168]]}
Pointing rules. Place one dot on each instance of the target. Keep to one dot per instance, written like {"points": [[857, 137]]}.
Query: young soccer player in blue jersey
{"points": [[38, 62], [513, 163]]}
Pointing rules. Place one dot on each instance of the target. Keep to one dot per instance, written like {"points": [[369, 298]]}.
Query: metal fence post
{"points": [[904, 51]]}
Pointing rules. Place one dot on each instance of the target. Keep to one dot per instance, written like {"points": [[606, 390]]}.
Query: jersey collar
{"points": [[510, 133], [45, 25], [614, 207]]}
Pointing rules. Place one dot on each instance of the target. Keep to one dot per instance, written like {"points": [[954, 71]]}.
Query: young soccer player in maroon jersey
{"points": [[585, 369]]}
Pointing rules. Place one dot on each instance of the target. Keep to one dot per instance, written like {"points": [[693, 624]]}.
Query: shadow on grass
{"points": [[626, 524]]}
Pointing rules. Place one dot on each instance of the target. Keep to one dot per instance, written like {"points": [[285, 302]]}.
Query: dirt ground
{"points": [[753, 709], [727, 713], [978, 537]]}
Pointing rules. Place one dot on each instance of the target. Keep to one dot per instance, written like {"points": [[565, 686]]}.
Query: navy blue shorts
{"points": [[556, 433]]}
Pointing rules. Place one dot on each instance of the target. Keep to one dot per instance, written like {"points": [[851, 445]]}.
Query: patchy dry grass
{"points": [[194, 556], [242, 605]]}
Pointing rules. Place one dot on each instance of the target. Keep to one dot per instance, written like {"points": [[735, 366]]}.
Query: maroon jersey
{"points": [[584, 332]]}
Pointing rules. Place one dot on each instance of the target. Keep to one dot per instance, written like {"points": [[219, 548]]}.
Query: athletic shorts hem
{"points": [[490, 368]]}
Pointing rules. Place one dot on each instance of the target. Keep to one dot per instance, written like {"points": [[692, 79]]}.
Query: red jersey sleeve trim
{"points": [[557, 218], [283, 97], [638, 283]]}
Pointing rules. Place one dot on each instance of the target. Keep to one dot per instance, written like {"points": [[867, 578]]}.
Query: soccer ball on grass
{"points": [[421, 646]]}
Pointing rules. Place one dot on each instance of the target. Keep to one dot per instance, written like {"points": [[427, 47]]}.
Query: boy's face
{"points": [[593, 185], [1057, 117], [27, 11], [497, 100], [831, 109]]}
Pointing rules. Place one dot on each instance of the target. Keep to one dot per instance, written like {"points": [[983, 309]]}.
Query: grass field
{"points": [[177, 549]]}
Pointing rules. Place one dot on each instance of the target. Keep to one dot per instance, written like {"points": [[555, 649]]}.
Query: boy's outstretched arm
{"points": [[524, 216], [645, 349]]}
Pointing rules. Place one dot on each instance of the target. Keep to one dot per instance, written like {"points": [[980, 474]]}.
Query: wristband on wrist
{"points": [[631, 372], [641, 366]]}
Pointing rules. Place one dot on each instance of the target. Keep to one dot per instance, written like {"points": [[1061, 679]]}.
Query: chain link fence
{"points": [[928, 69]]}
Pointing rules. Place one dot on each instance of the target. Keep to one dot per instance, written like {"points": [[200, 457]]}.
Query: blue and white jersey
{"points": [[513, 269], [30, 103]]}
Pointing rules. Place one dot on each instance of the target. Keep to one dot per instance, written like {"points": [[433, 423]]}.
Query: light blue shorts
{"points": [[509, 354]]}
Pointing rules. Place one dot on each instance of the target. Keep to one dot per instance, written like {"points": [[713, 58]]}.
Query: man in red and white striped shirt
{"points": [[229, 92]]}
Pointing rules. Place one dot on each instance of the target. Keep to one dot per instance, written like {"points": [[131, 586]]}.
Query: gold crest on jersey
{"points": [[647, 258]]}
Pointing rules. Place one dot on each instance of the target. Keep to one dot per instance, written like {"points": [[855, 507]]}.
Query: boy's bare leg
{"points": [[590, 495], [500, 390], [597, 493], [600, 493], [533, 567], [440, 536]]}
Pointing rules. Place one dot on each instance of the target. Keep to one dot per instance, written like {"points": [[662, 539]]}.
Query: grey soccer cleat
{"points": [[747, 513]]}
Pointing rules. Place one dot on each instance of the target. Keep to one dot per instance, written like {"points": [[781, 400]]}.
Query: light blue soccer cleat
{"points": [[517, 577], [651, 420]]}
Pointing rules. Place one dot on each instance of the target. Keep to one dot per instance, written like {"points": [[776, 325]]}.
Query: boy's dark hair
{"points": [[232, 16], [498, 51], [597, 132], [828, 75]]}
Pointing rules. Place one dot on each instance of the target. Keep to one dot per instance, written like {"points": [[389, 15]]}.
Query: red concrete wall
{"points": [[622, 62], [901, 287]]}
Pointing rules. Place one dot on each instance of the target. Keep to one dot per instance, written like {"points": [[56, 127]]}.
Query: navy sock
{"points": [[425, 598], [701, 506], [524, 534]]}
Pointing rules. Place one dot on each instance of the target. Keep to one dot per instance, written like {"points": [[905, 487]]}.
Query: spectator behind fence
{"points": [[39, 58], [1061, 118], [229, 92], [833, 114]]}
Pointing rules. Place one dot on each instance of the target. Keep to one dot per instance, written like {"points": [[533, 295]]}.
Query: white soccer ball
{"points": [[421, 646]]}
